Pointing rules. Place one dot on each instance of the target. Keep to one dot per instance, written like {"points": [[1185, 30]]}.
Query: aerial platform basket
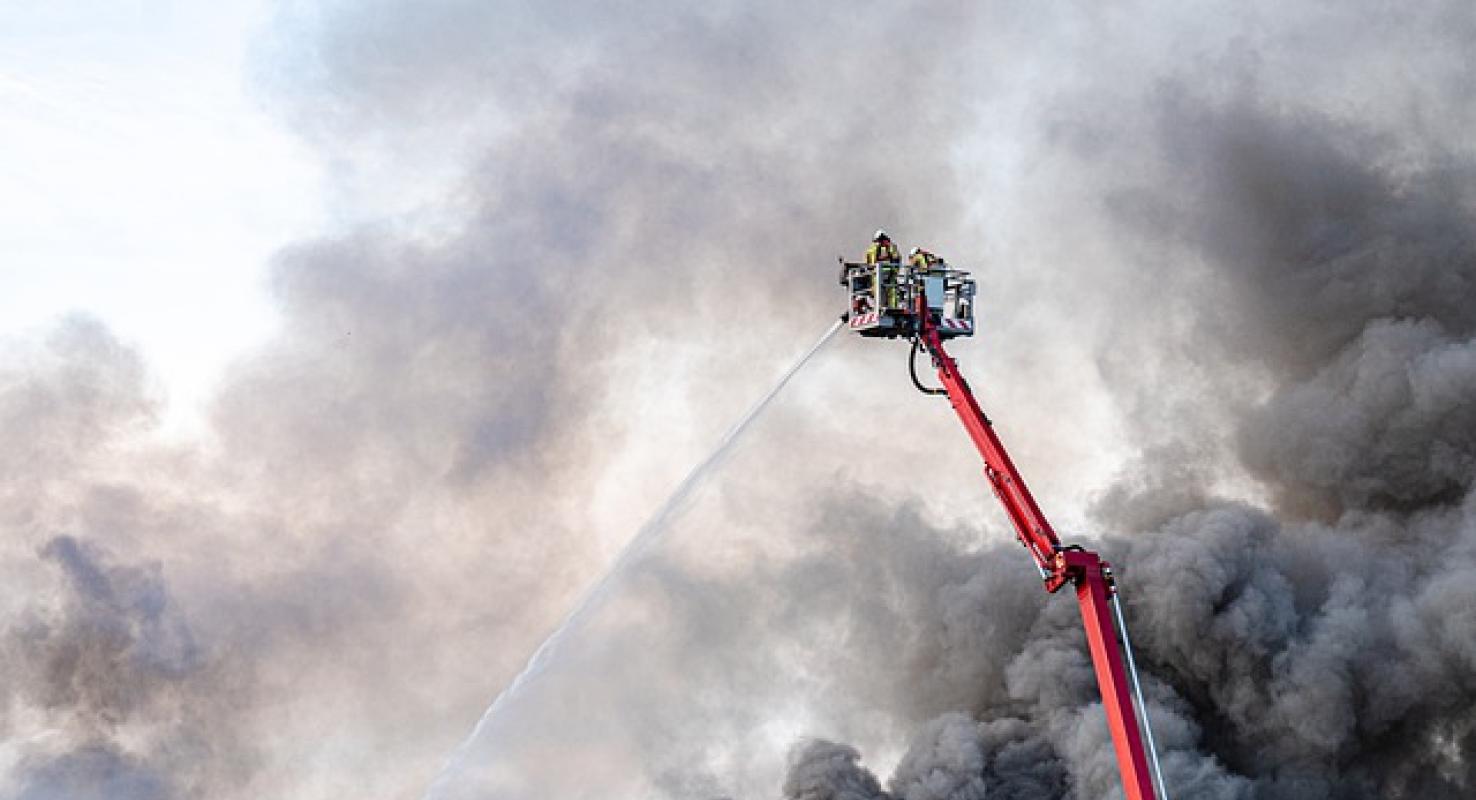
{"points": [[883, 299]]}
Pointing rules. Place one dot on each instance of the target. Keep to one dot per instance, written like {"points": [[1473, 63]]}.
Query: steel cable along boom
{"points": [[929, 306]]}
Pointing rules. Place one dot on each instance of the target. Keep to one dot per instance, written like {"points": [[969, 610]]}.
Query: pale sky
{"points": [[143, 183]]}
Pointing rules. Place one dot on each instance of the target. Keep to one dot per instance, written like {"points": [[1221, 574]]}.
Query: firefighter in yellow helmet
{"points": [[887, 259], [923, 261]]}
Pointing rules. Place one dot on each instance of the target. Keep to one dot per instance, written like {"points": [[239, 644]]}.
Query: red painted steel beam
{"points": [[1090, 575], [1093, 594], [1031, 526]]}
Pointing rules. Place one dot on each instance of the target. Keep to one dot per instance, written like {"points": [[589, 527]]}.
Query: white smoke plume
{"points": [[1227, 259]]}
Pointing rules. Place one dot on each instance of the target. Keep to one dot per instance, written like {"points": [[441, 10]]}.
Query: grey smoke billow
{"points": [[946, 760], [827, 771], [92, 772], [117, 653], [1227, 259]]}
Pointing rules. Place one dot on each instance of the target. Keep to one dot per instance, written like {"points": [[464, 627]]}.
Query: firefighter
{"points": [[923, 261], [887, 258], [882, 251]]}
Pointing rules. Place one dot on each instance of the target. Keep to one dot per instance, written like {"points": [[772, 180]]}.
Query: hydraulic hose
{"points": [[912, 370]]}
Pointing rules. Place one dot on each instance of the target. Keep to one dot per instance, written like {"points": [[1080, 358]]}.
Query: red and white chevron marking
{"points": [[862, 320], [955, 324]]}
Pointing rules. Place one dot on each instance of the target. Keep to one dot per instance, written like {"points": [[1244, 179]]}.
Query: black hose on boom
{"points": [[912, 370]]}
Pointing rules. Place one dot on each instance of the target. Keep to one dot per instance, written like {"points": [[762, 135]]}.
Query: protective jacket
{"points": [[883, 253], [925, 261]]}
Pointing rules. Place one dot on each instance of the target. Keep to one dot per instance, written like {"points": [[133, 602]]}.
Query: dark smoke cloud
{"points": [[1291, 656], [92, 771], [117, 644], [1335, 261], [110, 657], [1227, 256], [823, 770]]}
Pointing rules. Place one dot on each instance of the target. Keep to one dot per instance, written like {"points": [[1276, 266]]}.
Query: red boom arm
{"points": [[1058, 565]]}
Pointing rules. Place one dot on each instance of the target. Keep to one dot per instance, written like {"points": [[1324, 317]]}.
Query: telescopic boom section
{"points": [[1058, 565]]}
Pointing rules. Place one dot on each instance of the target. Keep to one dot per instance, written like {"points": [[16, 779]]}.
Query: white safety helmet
{"points": [[879, 235], [914, 252]]}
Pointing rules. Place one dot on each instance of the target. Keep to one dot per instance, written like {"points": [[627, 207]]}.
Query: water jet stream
{"points": [[638, 546]]}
